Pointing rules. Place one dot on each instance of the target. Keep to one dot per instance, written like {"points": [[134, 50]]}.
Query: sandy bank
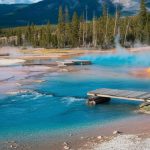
{"points": [[41, 53], [69, 53]]}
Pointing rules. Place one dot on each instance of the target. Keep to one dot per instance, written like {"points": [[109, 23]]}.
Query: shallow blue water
{"points": [[58, 104]]}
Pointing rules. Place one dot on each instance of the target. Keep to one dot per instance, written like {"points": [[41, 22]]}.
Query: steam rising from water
{"points": [[119, 48], [122, 57], [13, 51], [130, 58]]}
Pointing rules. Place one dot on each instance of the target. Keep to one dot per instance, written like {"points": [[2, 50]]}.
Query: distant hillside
{"points": [[9, 9], [6, 11], [47, 10]]}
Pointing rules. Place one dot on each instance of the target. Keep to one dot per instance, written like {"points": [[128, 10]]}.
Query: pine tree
{"points": [[104, 9], [67, 28], [28, 34], [33, 35], [19, 39], [41, 40], [94, 37], [142, 21], [148, 28], [48, 35], [67, 19], [143, 14], [0, 32], [61, 29], [75, 30], [82, 31]]}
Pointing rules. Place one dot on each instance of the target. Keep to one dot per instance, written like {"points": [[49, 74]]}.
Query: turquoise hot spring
{"points": [[58, 105]]}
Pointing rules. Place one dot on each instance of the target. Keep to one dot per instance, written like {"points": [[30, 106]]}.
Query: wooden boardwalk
{"points": [[121, 94], [73, 62]]}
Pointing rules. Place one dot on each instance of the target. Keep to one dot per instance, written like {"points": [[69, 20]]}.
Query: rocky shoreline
{"points": [[124, 142], [117, 141]]}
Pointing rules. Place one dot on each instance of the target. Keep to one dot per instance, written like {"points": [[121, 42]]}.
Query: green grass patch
{"points": [[146, 108]]}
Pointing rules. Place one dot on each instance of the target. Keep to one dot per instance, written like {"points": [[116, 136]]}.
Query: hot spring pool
{"points": [[58, 105]]}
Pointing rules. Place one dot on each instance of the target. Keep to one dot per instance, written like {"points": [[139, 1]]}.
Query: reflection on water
{"points": [[58, 105]]}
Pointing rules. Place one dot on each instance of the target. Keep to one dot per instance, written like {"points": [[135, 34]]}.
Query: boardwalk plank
{"points": [[146, 95], [121, 94], [136, 94]]}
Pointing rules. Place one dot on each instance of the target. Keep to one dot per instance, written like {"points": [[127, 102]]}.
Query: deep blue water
{"points": [[58, 104]]}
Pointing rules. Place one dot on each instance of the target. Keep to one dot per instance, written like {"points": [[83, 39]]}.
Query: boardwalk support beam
{"points": [[97, 100]]}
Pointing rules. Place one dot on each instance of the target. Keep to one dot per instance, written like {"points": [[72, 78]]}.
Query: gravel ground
{"points": [[125, 142]]}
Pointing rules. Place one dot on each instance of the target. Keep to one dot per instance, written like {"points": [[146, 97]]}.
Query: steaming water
{"points": [[57, 106], [121, 60]]}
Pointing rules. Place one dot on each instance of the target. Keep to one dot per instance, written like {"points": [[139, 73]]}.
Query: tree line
{"points": [[77, 31]]}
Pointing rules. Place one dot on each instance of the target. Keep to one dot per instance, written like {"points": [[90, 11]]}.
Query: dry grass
{"points": [[45, 51], [146, 108]]}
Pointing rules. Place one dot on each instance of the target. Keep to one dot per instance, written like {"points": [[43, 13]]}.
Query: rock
{"points": [[91, 103], [116, 132], [70, 134], [66, 147], [99, 137], [81, 137], [65, 143], [144, 104], [13, 146]]}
